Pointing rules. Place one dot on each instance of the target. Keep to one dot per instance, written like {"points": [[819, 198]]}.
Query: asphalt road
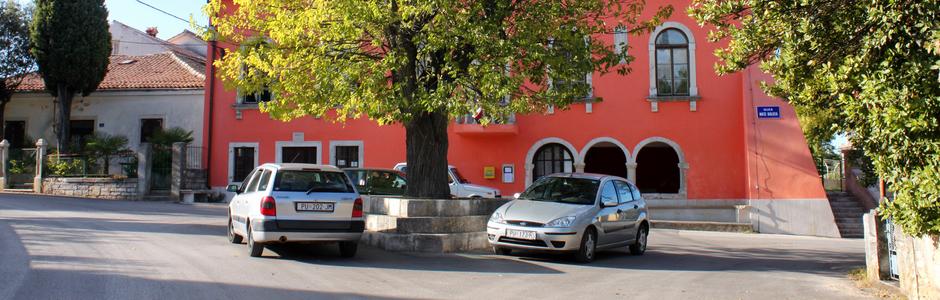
{"points": [[65, 248]]}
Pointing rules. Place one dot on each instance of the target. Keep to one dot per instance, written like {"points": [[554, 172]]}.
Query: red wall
{"points": [[713, 138]]}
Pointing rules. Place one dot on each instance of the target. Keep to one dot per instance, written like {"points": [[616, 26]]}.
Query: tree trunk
{"points": [[426, 142], [64, 97]]}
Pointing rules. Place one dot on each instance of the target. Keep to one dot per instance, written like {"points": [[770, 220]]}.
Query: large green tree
{"points": [[71, 44], [872, 65], [15, 60], [420, 62]]}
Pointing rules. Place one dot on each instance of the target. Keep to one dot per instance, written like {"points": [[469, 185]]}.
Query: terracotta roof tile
{"points": [[157, 71]]}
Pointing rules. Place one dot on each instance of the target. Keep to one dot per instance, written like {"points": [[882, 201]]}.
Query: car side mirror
{"points": [[607, 202], [232, 188], [516, 195]]}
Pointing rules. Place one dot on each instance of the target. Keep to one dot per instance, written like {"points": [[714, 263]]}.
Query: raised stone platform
{"points": [[703, 226], [429, 225]]}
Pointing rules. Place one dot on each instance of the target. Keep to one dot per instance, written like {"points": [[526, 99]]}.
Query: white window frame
{"points": [[231, 159], [621, 41], [357, 143], [693, 85], [279, 146]]}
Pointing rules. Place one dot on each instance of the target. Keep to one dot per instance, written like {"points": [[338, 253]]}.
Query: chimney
{"points": [[152, 31]]}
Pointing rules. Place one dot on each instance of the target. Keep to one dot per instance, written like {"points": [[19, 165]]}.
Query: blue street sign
{"points": [[768, 112]]}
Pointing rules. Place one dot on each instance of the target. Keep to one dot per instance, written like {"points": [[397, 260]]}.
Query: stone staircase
{"points": [[428, 225], [848, 213]]}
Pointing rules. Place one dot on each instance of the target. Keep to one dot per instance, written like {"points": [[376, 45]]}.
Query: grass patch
{"points": [[860, 277]]}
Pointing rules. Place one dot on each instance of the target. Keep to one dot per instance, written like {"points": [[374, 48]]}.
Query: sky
{"points": [[139, 16]]}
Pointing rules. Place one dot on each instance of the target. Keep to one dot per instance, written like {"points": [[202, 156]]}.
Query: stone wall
{"points": [[102, 188], [918, 265], [918, 259], [428, 225]]}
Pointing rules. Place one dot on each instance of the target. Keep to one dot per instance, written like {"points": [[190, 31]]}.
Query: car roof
{"points": [[296, 166], [406, 164], [370, 169], [587, 176]]}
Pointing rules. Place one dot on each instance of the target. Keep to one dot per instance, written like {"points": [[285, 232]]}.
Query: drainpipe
{"points": [[211, 95]]}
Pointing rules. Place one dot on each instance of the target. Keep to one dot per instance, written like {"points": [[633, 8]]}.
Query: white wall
{"points": [[115, 112], [129, 41]]}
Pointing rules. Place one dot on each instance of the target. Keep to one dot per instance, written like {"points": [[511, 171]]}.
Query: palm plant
{"points": [[104, 146]]}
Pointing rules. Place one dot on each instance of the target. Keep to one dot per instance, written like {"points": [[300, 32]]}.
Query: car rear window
{"points": [[311, 182]]}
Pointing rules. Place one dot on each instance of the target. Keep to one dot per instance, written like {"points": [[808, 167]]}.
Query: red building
{"points": [[700, 146]]}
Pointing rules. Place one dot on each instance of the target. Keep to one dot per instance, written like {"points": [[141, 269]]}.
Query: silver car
{"points": [[574, 213]]}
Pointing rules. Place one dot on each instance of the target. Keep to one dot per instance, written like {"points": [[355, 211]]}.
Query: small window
{"points": [[672, 63], [15, 133], [301, 155], [625, 192], [347, 156], [243, 162], [609, 193], [80, 131], [620, 41], [265, 179], [148, 128], [263, 96]]}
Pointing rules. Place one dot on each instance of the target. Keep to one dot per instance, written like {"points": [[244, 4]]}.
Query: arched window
{"points": [[672, 63], [550, 159]]}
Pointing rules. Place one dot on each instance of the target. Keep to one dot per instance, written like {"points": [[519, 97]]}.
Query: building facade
{"points": [[701, 147]]}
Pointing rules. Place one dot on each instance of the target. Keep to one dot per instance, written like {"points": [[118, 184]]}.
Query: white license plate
{"points": [[520, 234], [315, 206]]}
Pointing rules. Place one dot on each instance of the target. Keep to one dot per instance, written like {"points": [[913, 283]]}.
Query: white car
{"points": [[460, 187], [296, 203]]}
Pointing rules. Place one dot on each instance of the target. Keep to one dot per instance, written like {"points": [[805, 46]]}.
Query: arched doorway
{"points": [[606, 158], [552, 158], [657, 169]]}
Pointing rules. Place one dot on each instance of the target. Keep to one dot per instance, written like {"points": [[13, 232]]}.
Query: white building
{"points": [[126, 40], [151, 85], [139, 96]]}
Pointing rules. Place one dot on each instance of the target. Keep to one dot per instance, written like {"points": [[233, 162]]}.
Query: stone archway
{"points": [[531, 154], [660, 167], [606, 156]]}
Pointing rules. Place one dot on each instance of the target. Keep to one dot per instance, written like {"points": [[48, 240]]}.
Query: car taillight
{"points": [[357, 208], [268, 206]]}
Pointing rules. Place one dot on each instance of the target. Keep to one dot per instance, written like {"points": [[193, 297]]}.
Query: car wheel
{"points": [[502, 251], [254, 249], [588, 248], [348, 249], [233, 237], [639, 247]]}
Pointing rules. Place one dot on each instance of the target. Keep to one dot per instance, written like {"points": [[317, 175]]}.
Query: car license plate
{"points": [[520, 234], [315, 206]]}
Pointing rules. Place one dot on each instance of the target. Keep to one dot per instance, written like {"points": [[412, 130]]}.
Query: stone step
{"points": [[839, 215], [845, 205], [427, 242], [393, 224], [403, 207], [849, 221], [703, 226]]}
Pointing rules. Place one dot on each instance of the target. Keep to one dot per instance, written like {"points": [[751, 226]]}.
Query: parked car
{"points": [[376, 183], [574, 213], [459, 186], [296, 203]]}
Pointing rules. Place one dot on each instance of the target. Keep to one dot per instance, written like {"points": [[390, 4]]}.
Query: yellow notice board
{"points": [[489, 172]]}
